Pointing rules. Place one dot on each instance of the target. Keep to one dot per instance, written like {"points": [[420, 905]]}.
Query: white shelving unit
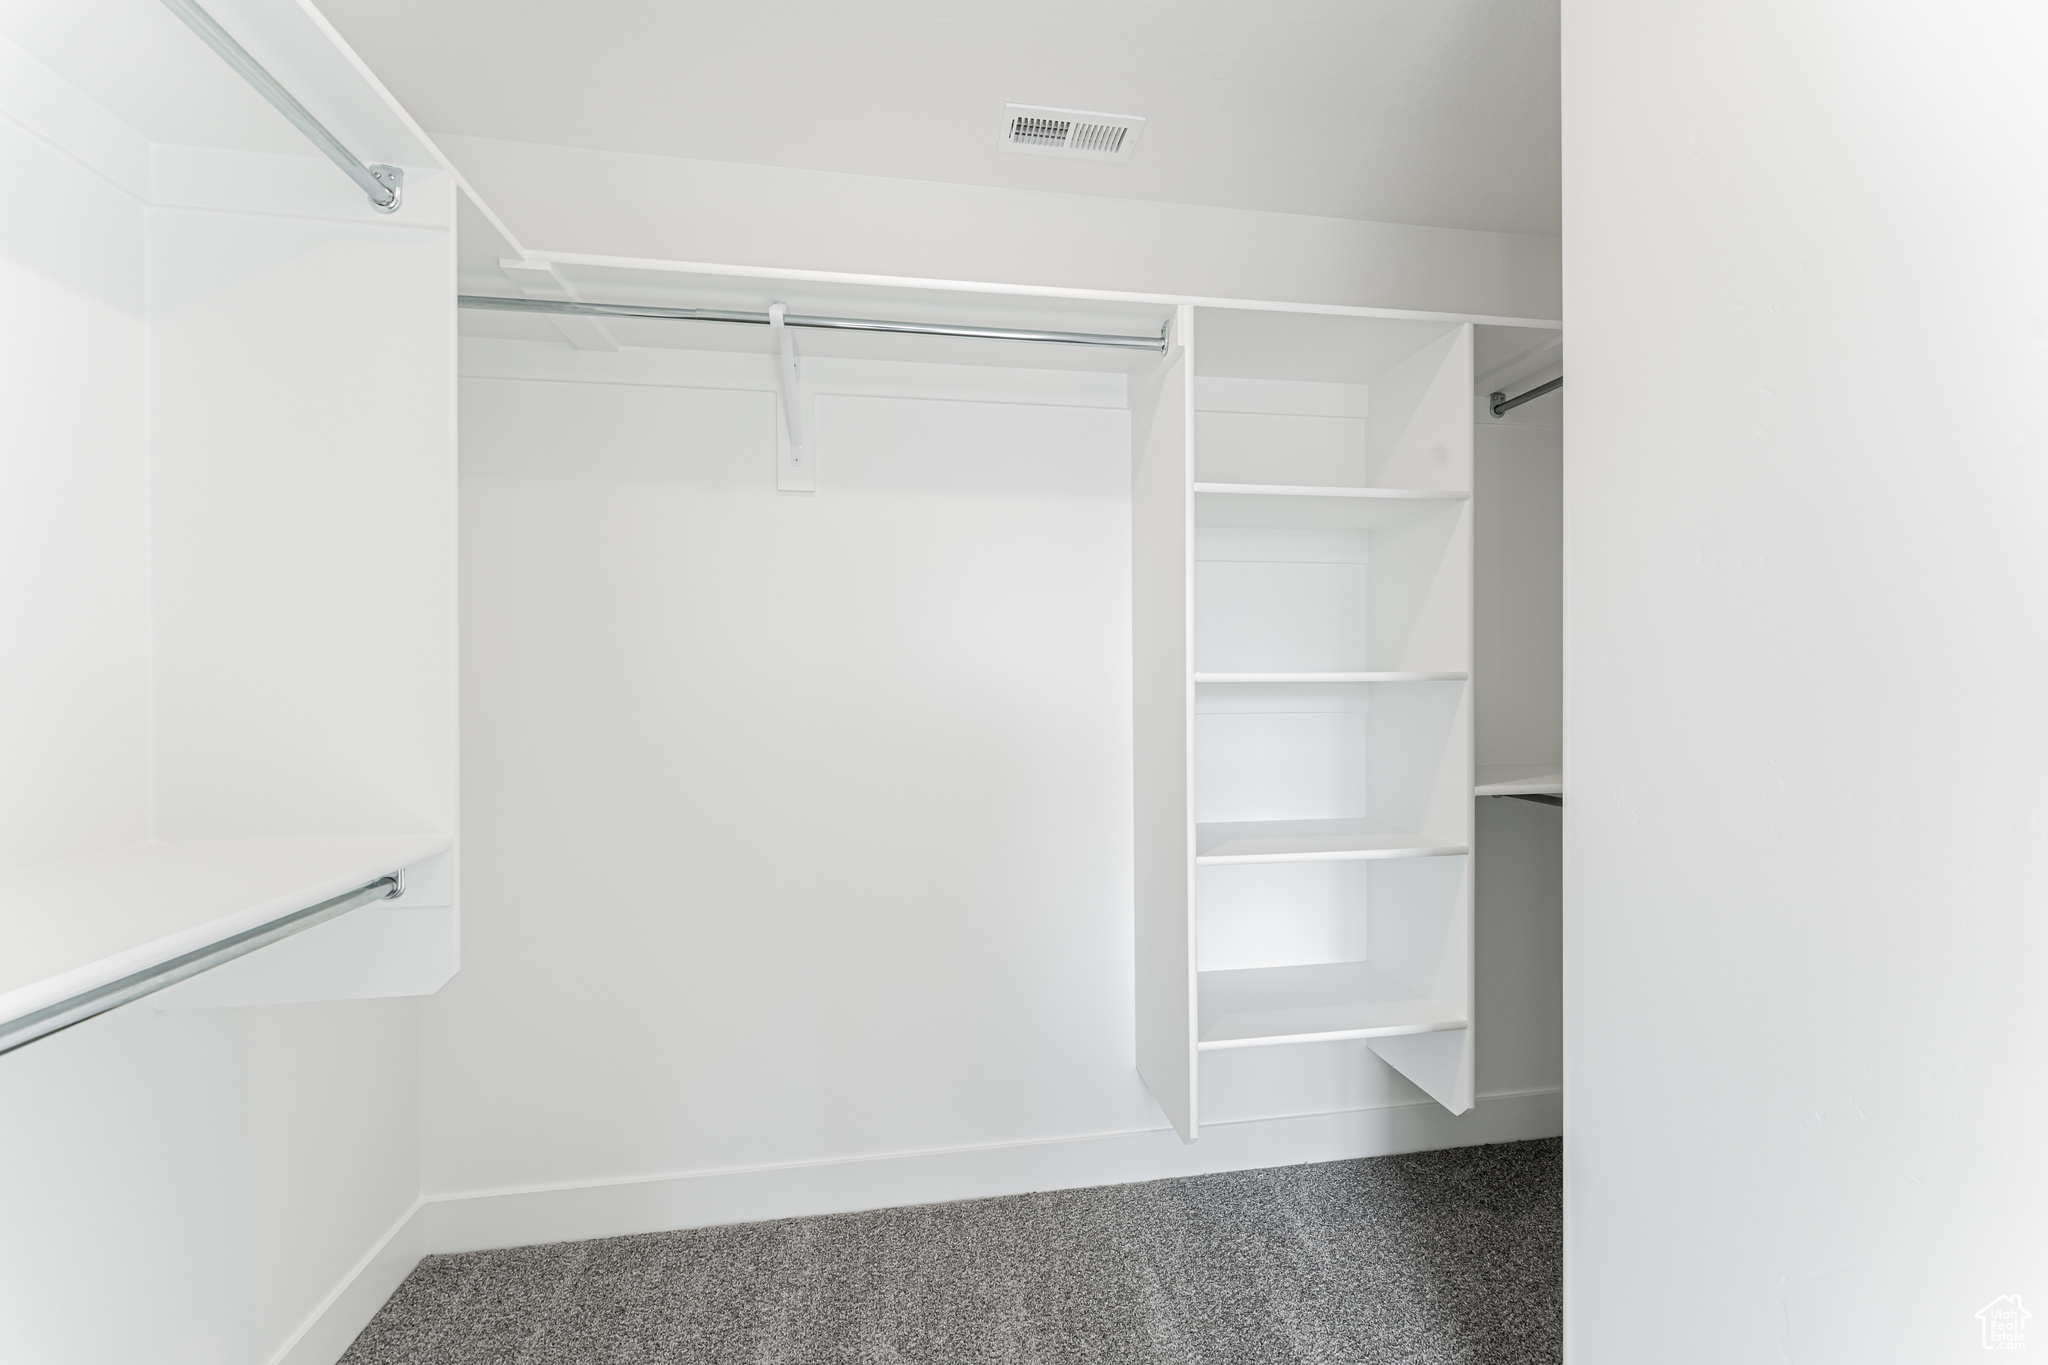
{"points": [[228, 509], [1303, 620]]}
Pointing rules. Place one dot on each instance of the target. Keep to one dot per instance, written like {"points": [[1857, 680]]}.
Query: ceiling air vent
{"points": [[1070, 132]]}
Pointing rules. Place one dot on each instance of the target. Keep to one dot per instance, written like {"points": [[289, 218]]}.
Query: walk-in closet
{"points": [[922, 683], [917, 740]]}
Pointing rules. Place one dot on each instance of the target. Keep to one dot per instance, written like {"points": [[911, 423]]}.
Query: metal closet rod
{"points": [[384, 184], [78, 1008], [492, 303], [1499, 403]]}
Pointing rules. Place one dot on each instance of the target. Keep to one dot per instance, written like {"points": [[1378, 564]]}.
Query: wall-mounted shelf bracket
{"points": [[793, 465]]}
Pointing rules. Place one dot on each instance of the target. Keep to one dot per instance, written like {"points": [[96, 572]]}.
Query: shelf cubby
{"points": [[1309, 952], [1313, 1003], [1330, 580], [1330, 770]]}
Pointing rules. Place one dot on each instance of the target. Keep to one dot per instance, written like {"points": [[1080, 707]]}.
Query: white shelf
{"points": [[68, 927], [1304, 841], [1301, 507], [1262, 1006], [1297, 490], [1519, 779], [1330, 677]]}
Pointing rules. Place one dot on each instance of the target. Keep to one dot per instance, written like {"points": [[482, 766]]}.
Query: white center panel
{"points": [[831, 832]]}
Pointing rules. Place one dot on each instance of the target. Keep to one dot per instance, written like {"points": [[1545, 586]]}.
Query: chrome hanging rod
{"points": [[384, 184], [1499, 403], [83, 1006], [492, 303]]}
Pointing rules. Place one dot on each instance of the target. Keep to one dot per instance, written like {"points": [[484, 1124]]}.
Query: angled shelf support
{"points": [[793, 468]]}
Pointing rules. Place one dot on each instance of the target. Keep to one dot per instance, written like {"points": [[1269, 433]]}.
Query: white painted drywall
{"points": [[1806, 487], [195, 358], [621, 204], [188, 1187], [798, 828], [74, 545], [302, 505]]}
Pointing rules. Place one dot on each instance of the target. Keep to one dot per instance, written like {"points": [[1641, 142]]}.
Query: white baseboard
{"points": [[561, 1213], [330, 1328]]}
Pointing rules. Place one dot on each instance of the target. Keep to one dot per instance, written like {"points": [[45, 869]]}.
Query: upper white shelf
{"points": [[1322, 1002], [1519, 779], [1330, 677], [1301, 507], [68, 927], [1302, 841]]}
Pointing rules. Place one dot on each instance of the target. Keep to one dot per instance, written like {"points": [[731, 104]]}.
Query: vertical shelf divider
{"points": [[1162, 678]]}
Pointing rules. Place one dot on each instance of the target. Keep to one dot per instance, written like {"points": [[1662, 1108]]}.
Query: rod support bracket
{"points": [[794, 472], [383, 185], [391, 178], [1498, 402]]}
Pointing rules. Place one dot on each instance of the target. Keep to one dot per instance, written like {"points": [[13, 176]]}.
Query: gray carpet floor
{"points": [[1433, 1257]]}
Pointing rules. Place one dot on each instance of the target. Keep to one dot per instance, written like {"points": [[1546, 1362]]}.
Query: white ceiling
{"points": [[1437, 112]]}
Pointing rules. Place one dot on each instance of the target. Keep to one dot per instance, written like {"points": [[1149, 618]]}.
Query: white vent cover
{"points": [[1070, 132]]}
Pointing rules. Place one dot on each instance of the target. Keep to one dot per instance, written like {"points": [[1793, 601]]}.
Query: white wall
{"points": [[74, 544], [196, 1187], [797, 828], [302, 504], [1806, 488], [189, 1187], [622, 204]]}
